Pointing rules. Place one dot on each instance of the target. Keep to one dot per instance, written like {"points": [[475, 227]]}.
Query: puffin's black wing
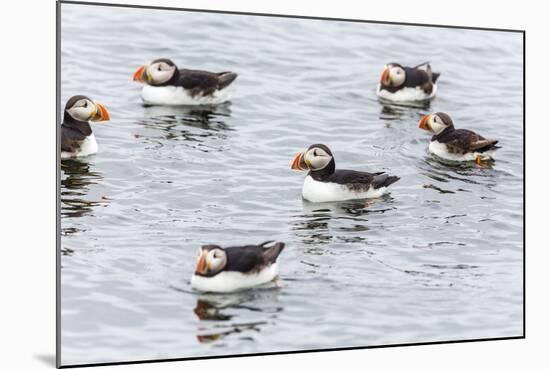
{"points": [[361, 181], [203, 82], [432, 75], [71, 139], [462, 141], [416, 77], [272, 253], [246, 259]]}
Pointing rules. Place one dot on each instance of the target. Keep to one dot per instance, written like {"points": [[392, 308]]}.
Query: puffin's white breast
{"points": [[406, 94], [87, 147], [172, 95], [440, 149], [232, 281], [316, 191]]}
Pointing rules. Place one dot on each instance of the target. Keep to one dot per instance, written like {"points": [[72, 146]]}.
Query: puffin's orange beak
{"points": [[201, 265], [138, 75], [424, 123], [299, 163], [104, 113], [385, 74], [101, 113]]}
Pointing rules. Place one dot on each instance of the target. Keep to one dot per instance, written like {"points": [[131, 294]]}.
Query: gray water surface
{"points": [[440, 258]]}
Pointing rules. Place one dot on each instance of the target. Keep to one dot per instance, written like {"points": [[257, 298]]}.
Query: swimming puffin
{"points": [[165, 84], [77, 138], [325, 183], [235, 268], [456, 144], [402, 84]]}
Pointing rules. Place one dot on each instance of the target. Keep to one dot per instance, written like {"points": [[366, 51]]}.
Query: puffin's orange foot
{"points": [[483, 164]]}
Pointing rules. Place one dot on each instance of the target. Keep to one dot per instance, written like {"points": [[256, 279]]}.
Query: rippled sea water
{"points": [[440, 258]]}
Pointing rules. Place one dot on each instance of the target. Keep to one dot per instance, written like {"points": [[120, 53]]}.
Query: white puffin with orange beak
{"points": [[407, 84], [77, 137], [165, 84], [325, 183], [456, 144], [235, 268]]}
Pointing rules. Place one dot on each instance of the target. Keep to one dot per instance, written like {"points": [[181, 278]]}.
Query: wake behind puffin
{"points": [[407, 84], [235, 268], [456, 144], [325, 183], [77, 137], [165, 84]]}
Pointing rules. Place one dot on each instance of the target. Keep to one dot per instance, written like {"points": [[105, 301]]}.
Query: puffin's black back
{"points": [[461, 141], [354, 180], [415, 77], [200, 81], [250, 258]]}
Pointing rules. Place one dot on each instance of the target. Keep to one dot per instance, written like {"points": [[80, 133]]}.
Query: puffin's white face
{"points": [[160, 72], [433, 123], [86, 110], [393, 76], [210, 261], [317, 158], [314, 159]]}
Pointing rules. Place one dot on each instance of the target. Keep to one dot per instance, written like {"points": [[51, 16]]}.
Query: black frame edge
{"points": [[58, 184], [334, 349], [154, 7], [524, 192]]}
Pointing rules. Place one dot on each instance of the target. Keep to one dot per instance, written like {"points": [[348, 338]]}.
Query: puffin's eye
{"points": [[85, 104]]}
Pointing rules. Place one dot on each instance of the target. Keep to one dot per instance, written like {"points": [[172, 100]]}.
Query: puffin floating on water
{"points": [[407, 84], [165, 84], [456, 144], [77, 137], [235, 268], [325, 183]]}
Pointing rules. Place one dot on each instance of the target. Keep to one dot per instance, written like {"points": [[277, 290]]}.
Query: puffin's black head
{"points": [[393, 75], [158, 73], [211, 260], [164, 60], [436, 122], [83, 109], [316, 158]]}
